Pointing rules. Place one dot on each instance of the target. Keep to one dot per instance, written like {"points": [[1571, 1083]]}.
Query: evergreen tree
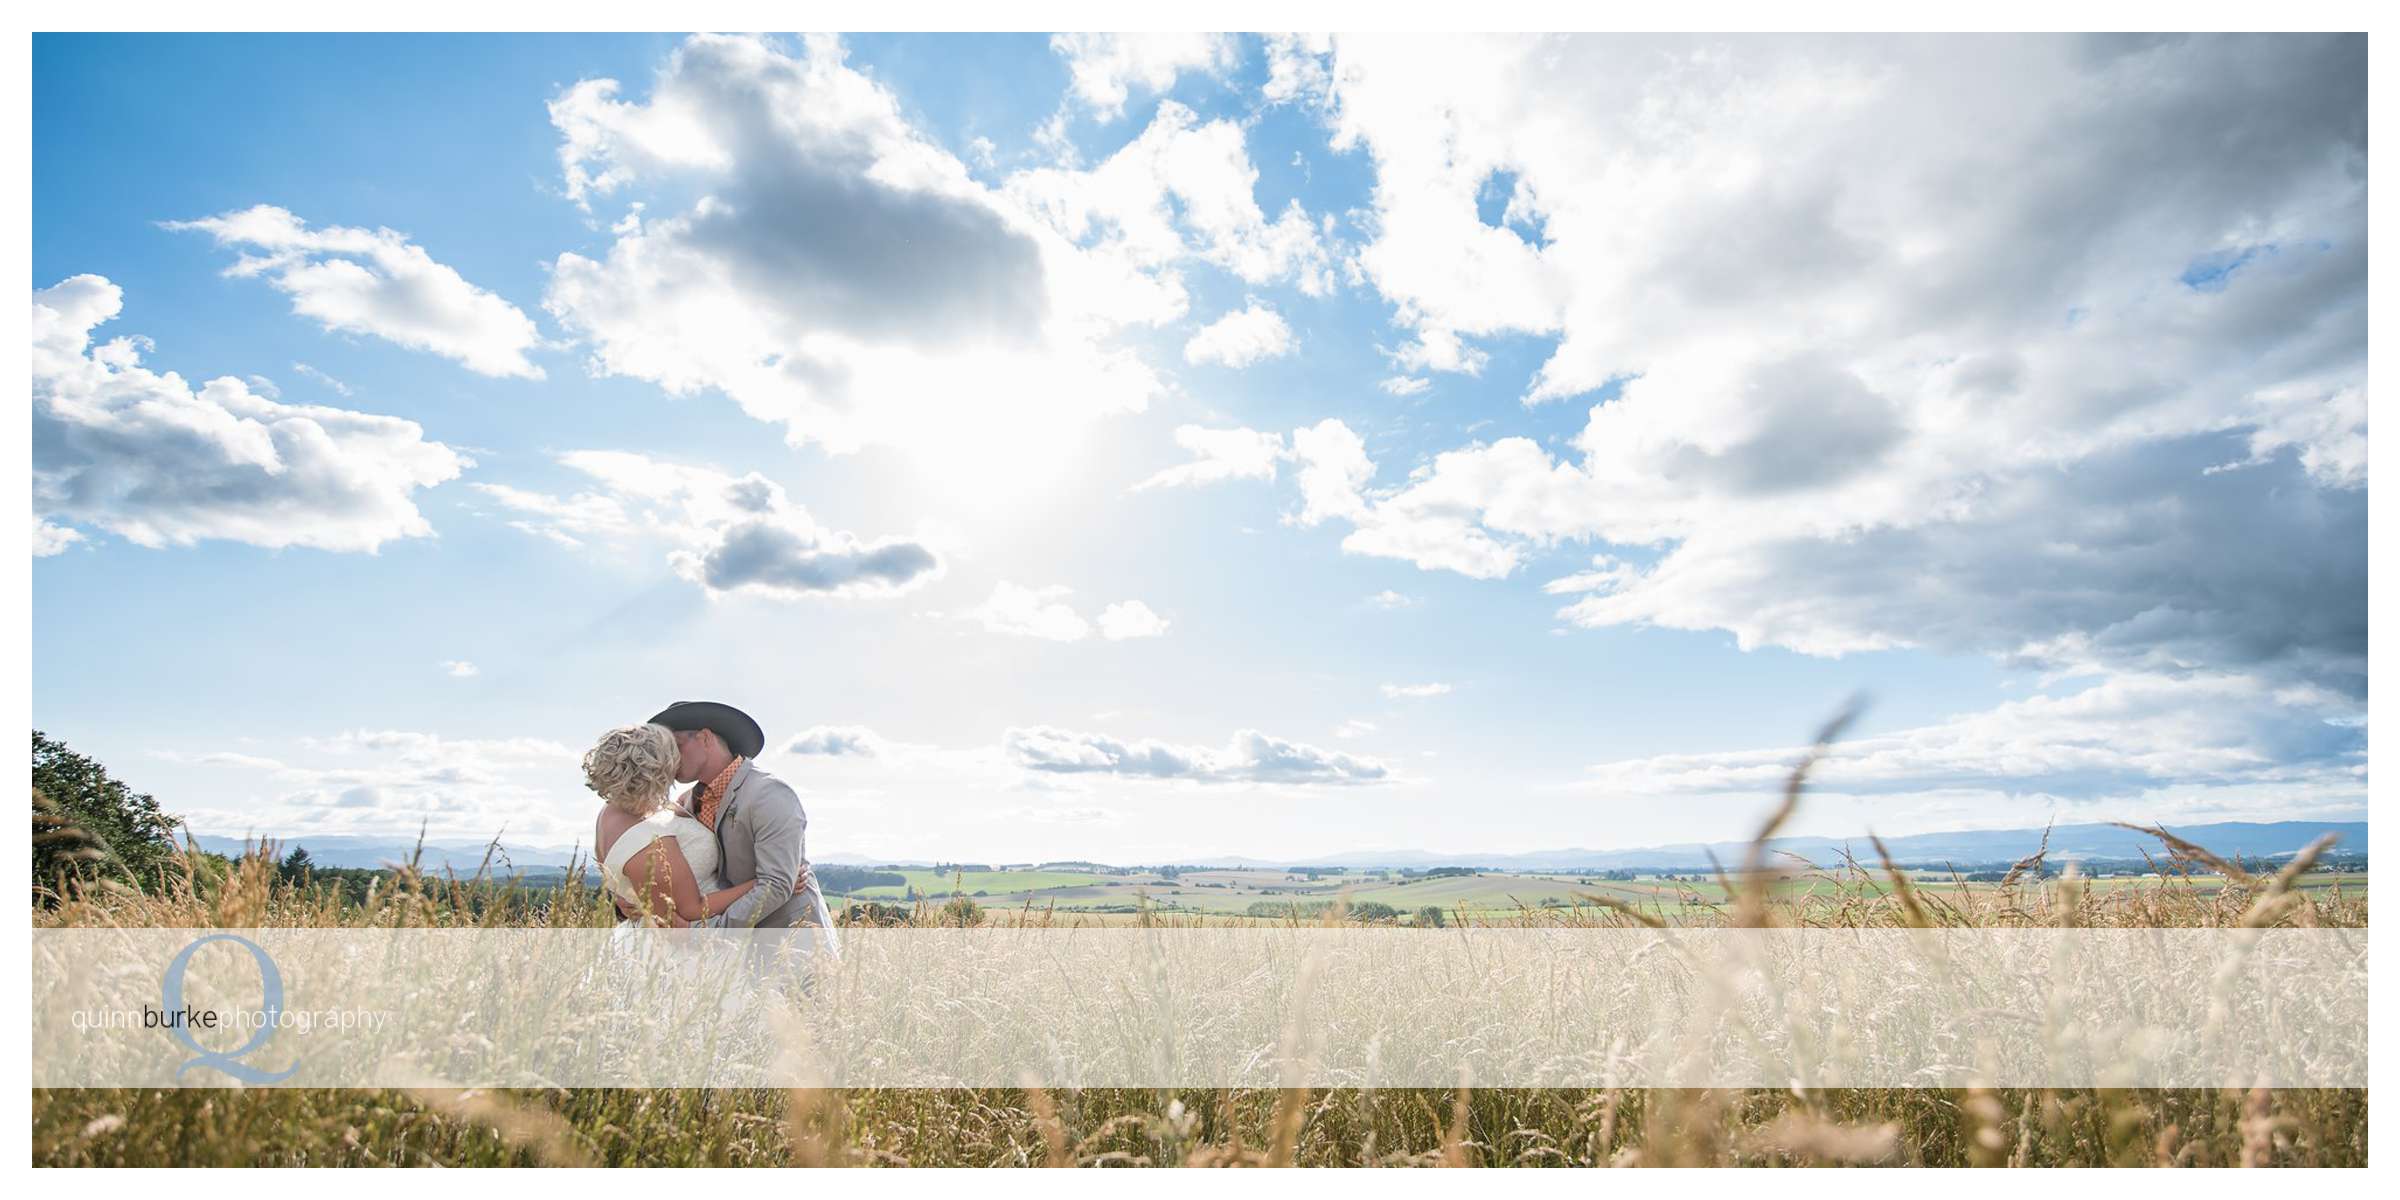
{"points": [[88, 825]]}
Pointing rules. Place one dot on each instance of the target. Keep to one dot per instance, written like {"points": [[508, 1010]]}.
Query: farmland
{"points": [[1226, 893]]}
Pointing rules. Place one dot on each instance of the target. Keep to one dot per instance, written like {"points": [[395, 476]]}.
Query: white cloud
{"points": [[49, 539], [1406, 385], [376, 282], [1333, 467], [1414, 691], [1044, 613], [1220, 454], [2134, 746], [1352, 729], [1130, 619], [1296, 70], [388, 781], [1183, 189], [839, 741], [946, 318], [749, 536], [1105, 68], [142, 455], [1251, 757], [1239, 339], [1874, 390], [567, 520], [336, 386], [459, 668], [1430, 527], [1389, 600], [1030, 612], [1440, 350]]}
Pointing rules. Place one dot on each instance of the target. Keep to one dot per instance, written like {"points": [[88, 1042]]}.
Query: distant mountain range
{"points": [[351, 850], [462, 857], [2087, 843]]}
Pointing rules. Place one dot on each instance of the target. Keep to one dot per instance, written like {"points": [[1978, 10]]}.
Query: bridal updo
{"points": [[632, 768]]}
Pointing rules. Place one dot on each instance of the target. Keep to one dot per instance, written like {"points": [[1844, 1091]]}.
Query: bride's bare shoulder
{"points": [[612, 825]]}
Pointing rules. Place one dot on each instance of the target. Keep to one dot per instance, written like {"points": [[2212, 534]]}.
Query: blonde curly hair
{"points": [[633, 767]]}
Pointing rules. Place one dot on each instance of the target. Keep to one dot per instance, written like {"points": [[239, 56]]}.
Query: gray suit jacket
{"points": [[762, 834]]}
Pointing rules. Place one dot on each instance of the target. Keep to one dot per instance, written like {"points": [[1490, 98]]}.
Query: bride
{"points": [[659, 860]]}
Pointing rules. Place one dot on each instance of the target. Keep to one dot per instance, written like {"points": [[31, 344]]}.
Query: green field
{"points": [[1232, 892], [982, 884]]}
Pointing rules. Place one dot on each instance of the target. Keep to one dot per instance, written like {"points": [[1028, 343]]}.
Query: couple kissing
{"points": [[731, 852]]}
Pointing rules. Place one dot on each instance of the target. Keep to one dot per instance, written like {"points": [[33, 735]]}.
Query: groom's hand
{"points": [[803, 881]]}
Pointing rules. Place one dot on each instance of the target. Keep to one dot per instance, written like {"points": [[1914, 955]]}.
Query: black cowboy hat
{"points": [[742, 735]]}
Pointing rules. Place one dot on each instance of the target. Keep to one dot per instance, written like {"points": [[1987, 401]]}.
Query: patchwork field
{"points": [[1235, 892]]}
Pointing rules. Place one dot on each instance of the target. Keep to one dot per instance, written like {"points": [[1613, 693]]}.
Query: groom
{"points": [[762, 833]]}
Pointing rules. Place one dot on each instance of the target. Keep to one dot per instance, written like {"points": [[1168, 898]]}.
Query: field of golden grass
{"points": [[1220, 1127]]}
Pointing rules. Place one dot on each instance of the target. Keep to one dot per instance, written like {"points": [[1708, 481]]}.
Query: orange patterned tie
{"points": [[712, 794]]}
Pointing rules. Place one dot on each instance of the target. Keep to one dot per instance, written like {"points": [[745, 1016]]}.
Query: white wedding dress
{"points": [[689, 998], [697, 841]]}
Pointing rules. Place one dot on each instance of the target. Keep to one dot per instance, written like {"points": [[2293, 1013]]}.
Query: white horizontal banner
{"points": [[1236, 1007]]}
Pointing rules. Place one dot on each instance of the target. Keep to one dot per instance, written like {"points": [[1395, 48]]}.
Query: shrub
{"points": [[874, 914]]}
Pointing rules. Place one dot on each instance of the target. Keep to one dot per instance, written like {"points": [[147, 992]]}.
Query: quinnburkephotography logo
{"points": [[264, 1021], [224, 1001]]}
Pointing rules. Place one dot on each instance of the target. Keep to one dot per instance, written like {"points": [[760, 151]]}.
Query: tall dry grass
{"points": [[1031, 1126]]}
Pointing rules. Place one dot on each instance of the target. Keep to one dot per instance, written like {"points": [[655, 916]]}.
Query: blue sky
{"points": [[1151, 449]]}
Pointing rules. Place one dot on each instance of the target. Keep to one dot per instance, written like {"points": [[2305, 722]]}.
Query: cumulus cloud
{"points": [[1183, 189], [1406, 385], [376, 282], [1251, 757], [839, 741], [1105, 68], [49, 539], [731, 534], [1130, 619], [1333, 467], [1414, 691], [2139, 560], [1238, 339], [459, 668], [1868, 384], [841, 274], [1389, 600], [143, 455], [1296, 68]]}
